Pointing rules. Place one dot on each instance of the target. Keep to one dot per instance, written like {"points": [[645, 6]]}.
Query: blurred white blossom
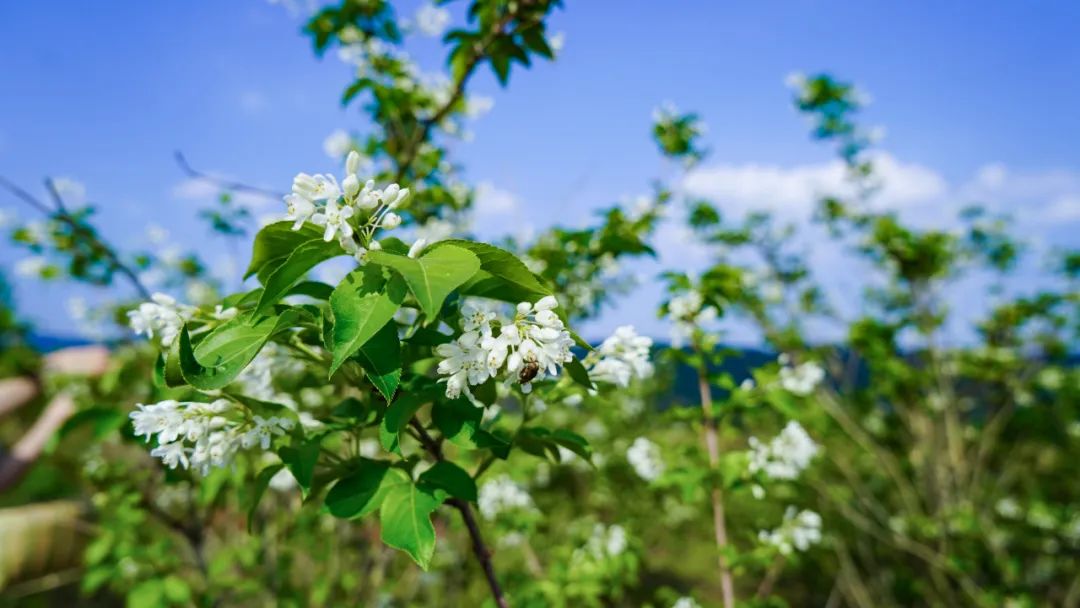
{"points": [[800, 531], [786, 456], [644, 456]]}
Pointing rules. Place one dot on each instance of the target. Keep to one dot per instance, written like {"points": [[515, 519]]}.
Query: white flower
{"points": [[337, 144], [688, 313], [264, 430], [162, 315], [686, 602], [202, 435], [335, 219], [801, 380], [786, 456], [621, 357], [644, 456], [535, 338], [477, 317], [298, 209], [606, 542], [319, 187], [502, 494], [432, 20], [800, 531], [390, 221]]}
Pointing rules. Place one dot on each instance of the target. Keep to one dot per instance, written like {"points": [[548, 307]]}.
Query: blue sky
{"points": [[979, 101]]}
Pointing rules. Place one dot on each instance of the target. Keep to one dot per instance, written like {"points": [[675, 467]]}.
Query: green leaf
{"points": [[573, 442], [159, 371], [458, 421], [434, 275], [276, 242], [362, 304], [381, 359], [448, 476], [359, 492], [224, 353], [302, 259], [262, 481], [311, 289], [485, 392], [578, 373], [301, 461], [399, 413], [405, 517], [504, 276]]}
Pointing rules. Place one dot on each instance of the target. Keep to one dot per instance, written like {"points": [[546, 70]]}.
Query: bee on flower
{"points": [[528, 348]]}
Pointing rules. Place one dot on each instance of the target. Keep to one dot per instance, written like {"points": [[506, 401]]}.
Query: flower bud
{"points": [[351, 185], [352, 163], [400, 198], [374, 245], [391, 192], [391, 221], [417, 247]]}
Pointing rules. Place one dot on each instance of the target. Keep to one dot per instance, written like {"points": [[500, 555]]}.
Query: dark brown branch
{"points": [[225, 184], [480, 550]]}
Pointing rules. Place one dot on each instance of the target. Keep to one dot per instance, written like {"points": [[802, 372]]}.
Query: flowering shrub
{"points": [[312, 442]]}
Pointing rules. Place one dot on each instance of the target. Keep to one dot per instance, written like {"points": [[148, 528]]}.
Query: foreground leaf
{"points": [[434, 275], [405, 517], [362, 304]]}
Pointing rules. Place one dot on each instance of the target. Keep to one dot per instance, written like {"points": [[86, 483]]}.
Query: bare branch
{"points": [[225, 184]]}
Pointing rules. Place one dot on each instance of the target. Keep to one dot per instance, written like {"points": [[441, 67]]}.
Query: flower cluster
{"points": [[787, 455], [644, 456], [802, 379], [605, 542], [530, 347], [203, 435], [503, 494], [688, 312], [799, 531], [162, 315], [320, 199], [621, 357]]}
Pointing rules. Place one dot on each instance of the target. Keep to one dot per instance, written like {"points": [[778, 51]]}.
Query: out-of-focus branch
{"points": [[60, 213], [15, 393], [225, 184], [30, 446]]}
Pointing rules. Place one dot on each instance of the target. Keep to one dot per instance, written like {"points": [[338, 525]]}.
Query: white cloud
{"points": [[492, 200], [792, 192]]}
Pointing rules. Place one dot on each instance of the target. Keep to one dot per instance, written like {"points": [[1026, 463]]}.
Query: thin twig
{"points": [[226, 184]]}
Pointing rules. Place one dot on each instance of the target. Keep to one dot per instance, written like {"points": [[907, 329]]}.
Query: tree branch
{"points": [[480, 550], [225, 184]]}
